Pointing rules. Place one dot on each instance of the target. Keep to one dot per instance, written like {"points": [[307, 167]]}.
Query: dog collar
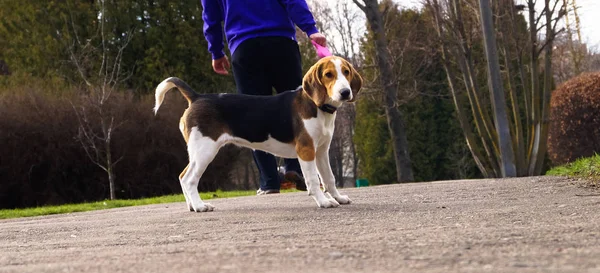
{"points": [[328, 108]]}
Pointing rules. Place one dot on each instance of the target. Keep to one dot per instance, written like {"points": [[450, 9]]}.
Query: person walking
{"points": [[261, 36]]}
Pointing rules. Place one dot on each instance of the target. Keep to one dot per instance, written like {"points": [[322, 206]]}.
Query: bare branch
{"points": [[554, 7], [541, 15], [103, 38], [73, 26], [96, 142], [117, 161], [361, 6], [548, 41], [78, 66]]}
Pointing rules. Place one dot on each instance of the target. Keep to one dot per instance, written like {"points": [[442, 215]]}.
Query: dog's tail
{"points": [[167, 85]]}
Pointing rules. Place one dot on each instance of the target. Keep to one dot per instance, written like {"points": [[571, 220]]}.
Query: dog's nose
{"points": [[345, 93]]}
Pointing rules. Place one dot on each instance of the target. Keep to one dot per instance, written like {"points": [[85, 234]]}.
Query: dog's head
{"points": [[332, 80]]}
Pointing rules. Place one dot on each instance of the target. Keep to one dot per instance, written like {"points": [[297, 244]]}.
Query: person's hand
{"points": [[221, 65], [319, 39]]}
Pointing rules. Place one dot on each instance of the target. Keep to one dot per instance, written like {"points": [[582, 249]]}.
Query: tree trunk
{"points": [[535, 92], [483, 123], [390, 87], [111, 183], [109, 169], [336, 154], [507, 158], [546, 94]]}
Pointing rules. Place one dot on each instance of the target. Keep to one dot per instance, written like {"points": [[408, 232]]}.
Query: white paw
{"points": [[343, 199], [327, 203], [203, 207]]}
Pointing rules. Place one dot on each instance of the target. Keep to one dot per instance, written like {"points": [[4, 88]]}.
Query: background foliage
{"points": [[575, 119], [41, 162]]}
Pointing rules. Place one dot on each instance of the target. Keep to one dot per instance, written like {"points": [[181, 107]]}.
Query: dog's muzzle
{"points": [[345, 94]]}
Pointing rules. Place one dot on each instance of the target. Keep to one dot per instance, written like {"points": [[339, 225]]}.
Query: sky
{"points": [[589, 13]]}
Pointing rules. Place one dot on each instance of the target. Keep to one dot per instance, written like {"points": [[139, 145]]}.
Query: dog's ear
{"points": [[355, 83], [312, 84]]}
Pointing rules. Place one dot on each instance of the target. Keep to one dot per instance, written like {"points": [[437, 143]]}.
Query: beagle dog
{"points": [[293, 124]]}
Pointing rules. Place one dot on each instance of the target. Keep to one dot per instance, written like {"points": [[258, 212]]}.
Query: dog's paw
{"points": [[328, 203], [204, 207], [343, 199]]}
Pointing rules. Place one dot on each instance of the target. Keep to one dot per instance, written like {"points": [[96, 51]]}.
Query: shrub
{"points": [[574, 130], [41, 163]]}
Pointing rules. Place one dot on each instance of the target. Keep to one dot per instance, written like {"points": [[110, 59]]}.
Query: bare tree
{"points": [[390, 90], [457, 42], [342, 24], [572, 56], [577, 54], [96, 122], [507, 164]]}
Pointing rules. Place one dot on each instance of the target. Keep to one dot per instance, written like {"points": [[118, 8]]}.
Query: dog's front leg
{"points": [[309, 169], [305, 148], [324, 167]]}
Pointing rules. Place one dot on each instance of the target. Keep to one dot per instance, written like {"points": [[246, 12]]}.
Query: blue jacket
{"points": [[245, 19]]}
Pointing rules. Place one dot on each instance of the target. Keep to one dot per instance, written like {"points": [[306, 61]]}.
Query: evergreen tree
{"points": [[35, 35]]}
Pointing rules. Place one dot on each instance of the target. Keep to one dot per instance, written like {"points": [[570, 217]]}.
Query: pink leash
{"points": [[321, 50]]}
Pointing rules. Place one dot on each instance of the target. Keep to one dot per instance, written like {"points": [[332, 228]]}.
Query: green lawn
{"points": [[588, 168], [108, 204]]}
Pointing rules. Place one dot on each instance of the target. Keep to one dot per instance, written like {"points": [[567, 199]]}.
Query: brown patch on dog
{"points": [[304, 106], [353, 78], [305, 148], [315, 83], [306, 109], [183, 126], [183, 172], [328, 77], [206, 118]]}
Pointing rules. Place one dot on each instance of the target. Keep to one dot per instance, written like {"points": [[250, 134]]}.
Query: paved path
{"points": [[538, 224]]}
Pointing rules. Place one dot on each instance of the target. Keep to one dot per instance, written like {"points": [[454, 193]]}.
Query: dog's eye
{"points": [[329, 75], [346, 72]]}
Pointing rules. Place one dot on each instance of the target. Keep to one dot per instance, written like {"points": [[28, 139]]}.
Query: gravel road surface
{"points": [[540, 224]]}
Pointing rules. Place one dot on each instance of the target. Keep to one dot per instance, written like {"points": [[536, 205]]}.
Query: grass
{"points": [[588, 168], [109, 204]]}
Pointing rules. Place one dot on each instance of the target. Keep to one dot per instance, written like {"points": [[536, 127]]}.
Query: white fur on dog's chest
{"points": [[320, 128]]}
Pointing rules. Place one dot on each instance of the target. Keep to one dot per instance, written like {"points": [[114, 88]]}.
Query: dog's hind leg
{"points": [[185, 194], [202, 151], [324, 168]]}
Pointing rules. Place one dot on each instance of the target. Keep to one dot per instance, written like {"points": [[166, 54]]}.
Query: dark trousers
{"points": [[259, 65]]}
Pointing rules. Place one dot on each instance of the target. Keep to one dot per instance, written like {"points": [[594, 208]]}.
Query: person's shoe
{"points": [[297, 179], [263, 192]]}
